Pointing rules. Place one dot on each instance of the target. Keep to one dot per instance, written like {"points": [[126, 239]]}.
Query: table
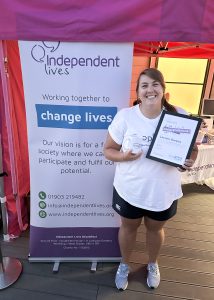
{"points": [[203, 168]]}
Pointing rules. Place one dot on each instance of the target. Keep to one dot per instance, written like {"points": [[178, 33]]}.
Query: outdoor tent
{"points": [[158, 28], [108, 21]]}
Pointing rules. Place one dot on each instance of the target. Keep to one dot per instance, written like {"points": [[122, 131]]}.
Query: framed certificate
{"points": [[174, 138]]}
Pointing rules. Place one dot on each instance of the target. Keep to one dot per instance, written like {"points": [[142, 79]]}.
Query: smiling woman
{"points": [[142, 188]]}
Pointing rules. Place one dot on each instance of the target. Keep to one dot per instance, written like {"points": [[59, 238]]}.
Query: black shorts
{"points": [[129, 211]]}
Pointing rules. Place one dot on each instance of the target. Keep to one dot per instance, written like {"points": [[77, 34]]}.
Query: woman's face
{"points": [[150, 91]]}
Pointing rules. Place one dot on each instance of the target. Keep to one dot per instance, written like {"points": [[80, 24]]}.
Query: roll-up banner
{"points": [[72, 93]]}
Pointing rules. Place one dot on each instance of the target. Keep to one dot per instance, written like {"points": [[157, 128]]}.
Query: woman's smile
{"points": [[150, 91], [151, 97]]}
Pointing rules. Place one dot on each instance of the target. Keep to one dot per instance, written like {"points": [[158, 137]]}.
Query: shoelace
{"points": [[153, 269], [123, 271]]}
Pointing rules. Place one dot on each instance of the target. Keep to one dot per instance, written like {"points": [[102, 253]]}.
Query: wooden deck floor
{"points": [[186, 263]]}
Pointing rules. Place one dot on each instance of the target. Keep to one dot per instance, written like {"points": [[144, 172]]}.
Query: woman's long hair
{"points": [[156, 75]]}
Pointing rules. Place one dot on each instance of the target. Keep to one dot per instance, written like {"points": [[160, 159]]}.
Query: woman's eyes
{"points": [[144, 86]]}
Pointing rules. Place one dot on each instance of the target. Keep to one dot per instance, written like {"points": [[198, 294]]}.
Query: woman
{"points": [[143, 188]]}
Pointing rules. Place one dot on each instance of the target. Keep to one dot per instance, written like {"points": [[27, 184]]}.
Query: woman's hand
{"points": [[187, 165], [203, 124], [128, 155], [112, 151]]}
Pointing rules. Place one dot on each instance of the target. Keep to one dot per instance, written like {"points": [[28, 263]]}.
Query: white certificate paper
{"points": [[174, 138]]}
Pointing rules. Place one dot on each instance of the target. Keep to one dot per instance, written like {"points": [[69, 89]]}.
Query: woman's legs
{"points": [[127, 239], [154, 237], [127, 236], [154, 241]]}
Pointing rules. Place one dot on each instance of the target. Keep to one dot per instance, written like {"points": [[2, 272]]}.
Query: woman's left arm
{"points": [[194, 153], [189, 162]]}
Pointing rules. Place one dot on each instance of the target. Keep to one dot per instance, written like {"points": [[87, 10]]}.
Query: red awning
{"points": [[174, 49]]}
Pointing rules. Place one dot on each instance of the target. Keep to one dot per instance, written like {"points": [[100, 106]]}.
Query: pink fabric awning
{"points": [[108, 21]]}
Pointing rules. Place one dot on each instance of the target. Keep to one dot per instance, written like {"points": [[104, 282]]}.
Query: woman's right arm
{"points": [[112, 151]]}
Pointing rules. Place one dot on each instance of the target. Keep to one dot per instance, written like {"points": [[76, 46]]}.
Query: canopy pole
{"points": [[7, 107], [10, 268]]}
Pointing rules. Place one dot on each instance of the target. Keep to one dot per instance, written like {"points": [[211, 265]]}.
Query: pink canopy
{"points": [[108, 21]]}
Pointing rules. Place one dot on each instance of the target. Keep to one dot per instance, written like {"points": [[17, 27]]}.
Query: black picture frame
{"points": [[166, 137]]}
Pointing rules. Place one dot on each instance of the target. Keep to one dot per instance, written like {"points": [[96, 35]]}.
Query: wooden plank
{"points": [[193, 213], [177, 263], [195, 208], [185, 226], [106, 293], [166, 290], [188, 226], [197, 220], [183, 234], [193, 188], [175, 275], [57, 286], [179, 251], [14, 251], [12, 293], [75, 272], [192, 244]]}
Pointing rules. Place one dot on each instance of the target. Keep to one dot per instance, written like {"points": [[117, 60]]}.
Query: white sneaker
{"points": [[153, 276], [121, 279]]}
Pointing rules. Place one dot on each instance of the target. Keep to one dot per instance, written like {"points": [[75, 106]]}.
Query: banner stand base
{"points": [[94, 266], [56, 267], [56, 260]]}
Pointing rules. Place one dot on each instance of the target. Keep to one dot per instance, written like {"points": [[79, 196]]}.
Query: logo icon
{"points": [[42, 214], [42, 195], [117, 206], [39, 52], [42, 204]]}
